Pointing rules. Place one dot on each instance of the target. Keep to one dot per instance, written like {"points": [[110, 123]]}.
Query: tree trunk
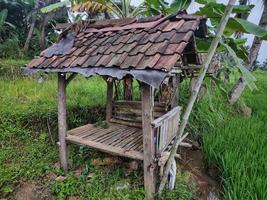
{"points": [[42, 37], [33, 18], [240, 85]]}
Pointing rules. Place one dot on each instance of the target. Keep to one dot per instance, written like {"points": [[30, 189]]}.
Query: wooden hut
{"points": [[157, 52]]}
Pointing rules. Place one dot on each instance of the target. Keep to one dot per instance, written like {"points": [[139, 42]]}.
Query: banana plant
{"points": [[235, 48], [122, 8]]}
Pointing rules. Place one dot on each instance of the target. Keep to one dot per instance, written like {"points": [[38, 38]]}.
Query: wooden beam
{"points": [[70, 78], [62, 121], [109, 98], [148, 141]]}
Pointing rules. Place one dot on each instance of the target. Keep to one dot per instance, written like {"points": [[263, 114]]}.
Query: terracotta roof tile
{"points": [[177, 38], [148, 60], [101, 49], [154, 42], [150, 37], [140, 49], [67, 61], [117, 59], [157, 48], [127, 47], [114, 48], [165, 36], [90, 50], [174, 25], [103, 61], [131, 61], [91, 61], [174, 48], [167, 62]]}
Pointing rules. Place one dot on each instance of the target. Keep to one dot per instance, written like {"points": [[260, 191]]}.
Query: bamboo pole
{"points": [[195, 91]]}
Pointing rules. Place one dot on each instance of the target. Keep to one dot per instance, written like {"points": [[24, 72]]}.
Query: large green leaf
{"points": [[55, 6], [244, 26], [247, 75], [241, 9], [213, 9], [177, 5]]}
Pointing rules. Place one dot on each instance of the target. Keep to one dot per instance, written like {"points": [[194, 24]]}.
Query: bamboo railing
{"points": [[165, 128]]}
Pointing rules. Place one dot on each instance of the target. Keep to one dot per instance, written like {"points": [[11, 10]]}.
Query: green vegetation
{"points": [[235, 144]]}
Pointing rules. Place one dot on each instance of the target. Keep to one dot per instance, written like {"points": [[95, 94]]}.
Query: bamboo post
{"points": [[195, 91], [62, 121], [148, 141], [109, 99]]}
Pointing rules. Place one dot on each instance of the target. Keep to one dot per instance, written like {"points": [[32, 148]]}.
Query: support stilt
{"points": [[62, 122]]}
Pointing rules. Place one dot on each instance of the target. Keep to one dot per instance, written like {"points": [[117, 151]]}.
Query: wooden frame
{"points": [[109, 99]]}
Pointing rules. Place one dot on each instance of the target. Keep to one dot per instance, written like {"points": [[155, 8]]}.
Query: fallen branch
{"points": [[195, 91]]}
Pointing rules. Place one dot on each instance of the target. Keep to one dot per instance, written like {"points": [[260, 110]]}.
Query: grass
{"points": [[27, 153], [236, 145]]}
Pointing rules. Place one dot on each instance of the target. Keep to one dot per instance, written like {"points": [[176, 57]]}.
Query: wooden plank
{"points": [[101, 133], [62, 121], [129, 138], [109, 99], [116, 137], [127, 123], [137, 103], [78, 130], [140, 147], [106, 148], [148, 141], [105, 137], [86, 133], [135, 142], [122, 138], [135, 112]]}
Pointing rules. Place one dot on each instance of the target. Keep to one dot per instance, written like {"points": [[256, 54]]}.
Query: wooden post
{"points": [[148, 141], [62, 121], [109, 99], [175, 84]]}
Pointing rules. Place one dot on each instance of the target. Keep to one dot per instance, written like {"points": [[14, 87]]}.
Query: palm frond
{"points": [[90, 6]]}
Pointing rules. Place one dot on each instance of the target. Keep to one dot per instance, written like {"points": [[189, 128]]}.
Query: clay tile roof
{"points": [[153, 42]]}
